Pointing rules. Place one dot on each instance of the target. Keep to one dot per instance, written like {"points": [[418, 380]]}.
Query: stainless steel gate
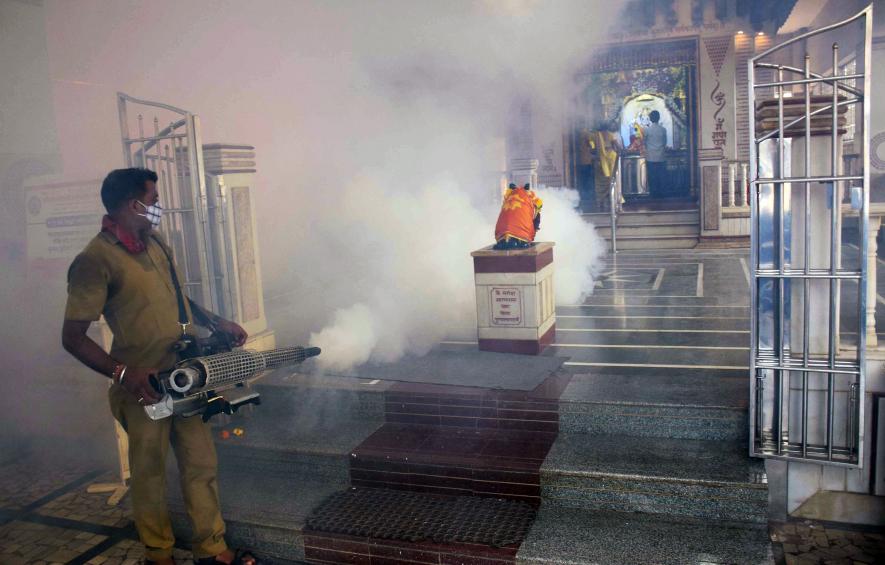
{"points": [[808, 297], [167, 140]]}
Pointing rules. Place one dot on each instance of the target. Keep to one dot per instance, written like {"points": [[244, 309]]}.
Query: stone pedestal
{"points": [[515, 305]]}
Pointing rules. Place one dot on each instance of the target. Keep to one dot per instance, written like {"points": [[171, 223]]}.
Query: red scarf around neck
{"points": [[130, 241]]}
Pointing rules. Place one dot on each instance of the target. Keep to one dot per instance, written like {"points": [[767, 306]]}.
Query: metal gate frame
{"points": [[780, 365], [195, 216]]}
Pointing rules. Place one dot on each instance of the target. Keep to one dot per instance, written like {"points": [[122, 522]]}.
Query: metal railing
{"points": [[806, 394], [194, 215], [614, 200]]}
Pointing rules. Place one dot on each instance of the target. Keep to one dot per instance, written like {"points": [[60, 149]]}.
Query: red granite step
{"points": [[453, 460], [461, 440]]}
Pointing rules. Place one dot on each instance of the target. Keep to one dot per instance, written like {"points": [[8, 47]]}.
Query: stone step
{"points": [[452, 460], [262, 510], [626, 301], [653, 313], [652, 337], [346, 397], [675, 477], [650, 229], [657, 242], [304, 427], [639, 218], [320, 450], [573, 536], [674, 406], [734, 357]]}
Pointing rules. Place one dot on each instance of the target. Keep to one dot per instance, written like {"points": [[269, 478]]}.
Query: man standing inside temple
{"points": [[655, 138], [127, 274], [585, 177], [606, 146]]}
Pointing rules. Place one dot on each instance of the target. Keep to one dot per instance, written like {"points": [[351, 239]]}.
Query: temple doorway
{"points": [[618, 94]]}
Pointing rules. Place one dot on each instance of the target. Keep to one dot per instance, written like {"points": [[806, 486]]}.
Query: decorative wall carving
{"points": [[717, 49]]}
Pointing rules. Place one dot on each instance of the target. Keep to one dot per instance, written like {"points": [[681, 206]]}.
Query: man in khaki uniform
{"points": [[125, 273]]}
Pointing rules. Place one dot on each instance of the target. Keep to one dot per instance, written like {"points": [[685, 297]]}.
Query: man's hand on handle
{"points": [[137, 382], [237, 334]]}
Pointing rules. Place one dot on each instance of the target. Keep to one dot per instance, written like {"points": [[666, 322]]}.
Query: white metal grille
{"points": [[807, 387]]}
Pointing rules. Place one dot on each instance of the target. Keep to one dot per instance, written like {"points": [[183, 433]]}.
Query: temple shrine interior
{"points": [[616, 93]]}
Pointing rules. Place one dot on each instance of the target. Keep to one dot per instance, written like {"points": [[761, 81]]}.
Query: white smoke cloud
{"points": [[371, 122], [418, 288], [389, 272], [578, 247]]}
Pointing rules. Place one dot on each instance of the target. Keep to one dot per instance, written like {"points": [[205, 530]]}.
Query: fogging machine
{"points": [[215, 384]]}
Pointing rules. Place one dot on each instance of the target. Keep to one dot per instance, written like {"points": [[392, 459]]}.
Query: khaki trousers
{"points": [[149, 442]]}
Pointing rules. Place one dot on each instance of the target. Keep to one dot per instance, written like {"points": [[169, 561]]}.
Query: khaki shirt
{"points": [[134, 293]]}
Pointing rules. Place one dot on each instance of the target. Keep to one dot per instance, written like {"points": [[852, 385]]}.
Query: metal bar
{"points": [[819, 361], [820, 110], [158, 137], [834, 219], [804, 414], [191, 228], [808, 80], [806, 283], [781, 157], [830, 394], [613, 205], [812, 179], [847, 88], [126, 97], [158, 157], [865, 12], [798, 274], [865, 223], [141, 160], [166, 133], [197, 177], [124, 128], [757, 384], [811, 369]]}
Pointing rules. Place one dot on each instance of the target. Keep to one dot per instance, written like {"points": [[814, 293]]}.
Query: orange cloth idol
{"points": [[520, 215]]}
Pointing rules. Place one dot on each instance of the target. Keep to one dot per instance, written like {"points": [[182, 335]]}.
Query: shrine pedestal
{"points": [[515, 306]]}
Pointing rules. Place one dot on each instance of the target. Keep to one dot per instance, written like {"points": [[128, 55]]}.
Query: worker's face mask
{"points": [[153, 213]]}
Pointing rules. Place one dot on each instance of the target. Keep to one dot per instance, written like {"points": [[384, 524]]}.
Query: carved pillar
{"points": [[230, 170], [711, 191]]}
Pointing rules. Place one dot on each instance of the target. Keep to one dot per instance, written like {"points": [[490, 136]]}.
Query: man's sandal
{"points": [[241, 557]]}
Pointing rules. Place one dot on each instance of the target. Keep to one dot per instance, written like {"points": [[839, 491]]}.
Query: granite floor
{"points": [[67, 525], [47, 517]]}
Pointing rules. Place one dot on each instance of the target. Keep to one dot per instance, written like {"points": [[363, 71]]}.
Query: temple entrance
{"points": [[624, 94]]}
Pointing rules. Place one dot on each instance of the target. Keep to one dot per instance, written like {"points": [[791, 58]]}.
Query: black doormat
{"points": [[384, 514], [467, 368]]}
